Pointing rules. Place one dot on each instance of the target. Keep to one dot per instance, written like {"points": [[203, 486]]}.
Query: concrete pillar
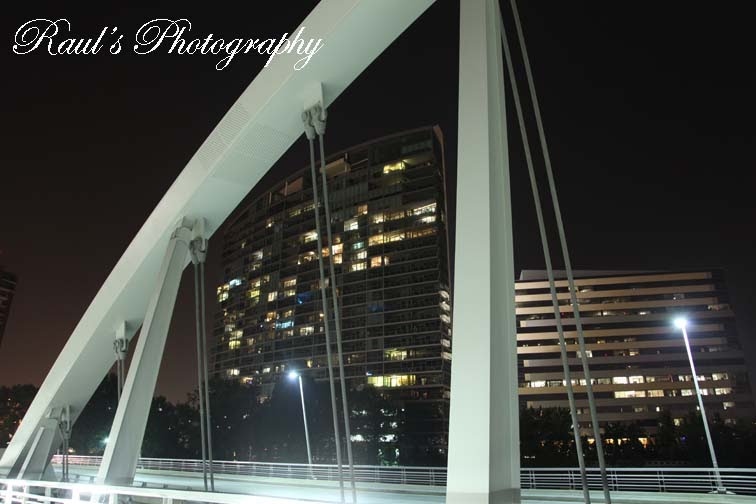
{"points": [[484, 453]]}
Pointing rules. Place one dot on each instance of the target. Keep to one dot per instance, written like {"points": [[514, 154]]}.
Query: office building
{"points": [[388, 207], [638, 362]]}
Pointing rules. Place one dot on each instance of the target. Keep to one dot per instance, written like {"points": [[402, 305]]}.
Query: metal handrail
{"points": [[649, 479]]}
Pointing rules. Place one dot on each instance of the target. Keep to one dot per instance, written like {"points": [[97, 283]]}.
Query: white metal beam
{"points": [[262, 124], [484, 454]]}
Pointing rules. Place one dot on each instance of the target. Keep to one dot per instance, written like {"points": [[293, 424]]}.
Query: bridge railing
{"points": [[661, 479]]}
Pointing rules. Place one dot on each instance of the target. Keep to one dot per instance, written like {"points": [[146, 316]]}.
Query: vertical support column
{"points": [[127, 433], [484, 453]]}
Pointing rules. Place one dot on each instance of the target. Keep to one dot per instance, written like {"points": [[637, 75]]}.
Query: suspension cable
{"points": [[567, 263], [310, 133], [320, 123], [549, 269], [204, 365], [200, 390]]}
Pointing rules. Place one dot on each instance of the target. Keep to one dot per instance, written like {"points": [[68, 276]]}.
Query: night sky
{"points": [[649, 108]]}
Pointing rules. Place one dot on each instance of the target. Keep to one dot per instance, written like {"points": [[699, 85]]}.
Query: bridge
{"points": [[171, 479], [281, 104]]}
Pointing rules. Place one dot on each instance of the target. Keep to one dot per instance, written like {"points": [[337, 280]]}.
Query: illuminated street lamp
{"points": [[682, 324], [293, 375]]}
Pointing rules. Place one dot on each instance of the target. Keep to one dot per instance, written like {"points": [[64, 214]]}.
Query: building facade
{"points": [[638, 362], [388, 209], [7, 288]]}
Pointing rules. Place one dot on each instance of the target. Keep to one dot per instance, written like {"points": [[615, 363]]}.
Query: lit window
{"points": [[232, 372], [375, 262], [358, 245], [253, 293], [234, 283], [636, 379], [289, 292], [723, 391], [430, 219], [272, 296], [686, 392], [290, 282], [308, 237], [395, 236], [377, 218], [338, 259], [425, 209], [392, 167], [655, 393], [395, 354], [392, 381], [728, 405], [357, 266], [304, 331], [270, 316], [375, 240], [538, 384], [351, 225], [619, 380], [257, 255], [362, 209], [628, 394], [361, 255], [234, 344], [223, 296], [720, 376], [338, 248]]}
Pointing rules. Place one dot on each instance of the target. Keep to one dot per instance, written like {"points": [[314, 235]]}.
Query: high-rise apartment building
{"points": [[7, 288], [388, 208], [638, 362]]}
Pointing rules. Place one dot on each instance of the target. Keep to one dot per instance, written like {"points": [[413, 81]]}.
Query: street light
{"points": [[682, 324], [293, 375]]}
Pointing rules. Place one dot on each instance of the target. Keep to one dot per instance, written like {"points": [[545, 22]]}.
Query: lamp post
{"points": [[682, 324], [293, 375]]}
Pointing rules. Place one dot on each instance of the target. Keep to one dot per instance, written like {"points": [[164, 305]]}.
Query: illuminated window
{"points": [[655, 393], [395, 354], [375, 240], [619, 380], [288, 333], [392, 381], [728, 405], [425, 209], [233, 344], [375, 262], [395, 215], [377, 218], [686, 392], [234, 283], [361, 255], [723, 391], [628, 394], [288, 313], [232, 372], [269, 223], [223, 296], [362, 209], [308, 237], [720, 376], [257, 255], [304, 331], [338, 259], [357, 266], [430, 219], [290, 282], [538, 384], [636, 379], [338, 248], [253, 293], [395, 236], [351, 225], [445, 318], [358, 245], [270, 316], [289, 292], [393, 167]]}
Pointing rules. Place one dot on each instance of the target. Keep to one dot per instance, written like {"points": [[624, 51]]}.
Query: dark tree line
{"points": [[385, 433]]}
